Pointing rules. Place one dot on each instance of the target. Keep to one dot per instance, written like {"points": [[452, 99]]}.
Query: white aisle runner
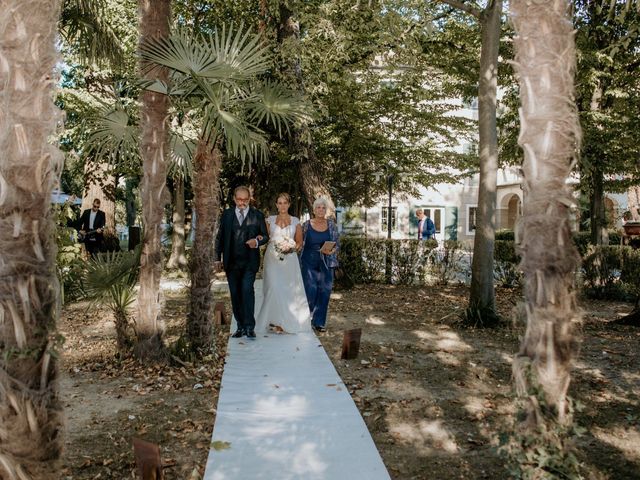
{"points": [[284, 413]]}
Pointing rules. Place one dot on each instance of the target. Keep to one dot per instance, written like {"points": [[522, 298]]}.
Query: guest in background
{"points": [[426, 227], [91, 229]]}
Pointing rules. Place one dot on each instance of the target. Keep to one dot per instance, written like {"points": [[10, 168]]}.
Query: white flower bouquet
{"points": [[284, 246]]}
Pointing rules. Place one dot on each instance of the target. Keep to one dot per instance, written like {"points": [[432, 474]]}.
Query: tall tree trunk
{"points": [[633, 200], [207, 166], [178, 258], [598, 219], [130, 201], [599, 234], [482, 294], [154, 23], [312, 183], [30, 409], [550, 135], [101, 183]]}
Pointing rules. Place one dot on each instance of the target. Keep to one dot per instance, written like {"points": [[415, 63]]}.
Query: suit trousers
{"points": [[241, 279]]}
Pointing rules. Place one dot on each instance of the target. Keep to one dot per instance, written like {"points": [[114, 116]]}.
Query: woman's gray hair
{"points": [[321, 201], [328, 204]]}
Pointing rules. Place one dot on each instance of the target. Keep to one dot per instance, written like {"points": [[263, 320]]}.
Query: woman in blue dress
{"points": [[318, 263]]}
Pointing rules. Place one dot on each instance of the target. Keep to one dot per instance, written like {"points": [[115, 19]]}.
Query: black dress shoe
{"points": [[251, 334], [239, 333]]}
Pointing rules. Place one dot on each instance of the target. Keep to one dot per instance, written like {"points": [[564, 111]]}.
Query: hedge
{"points": [[611, 272], [607, 271], [364, 260]]}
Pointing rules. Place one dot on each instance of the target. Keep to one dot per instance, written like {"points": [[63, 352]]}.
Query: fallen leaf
{"points": [[220, 445]]}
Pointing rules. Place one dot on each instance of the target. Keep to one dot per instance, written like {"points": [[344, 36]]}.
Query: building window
{"points": [[471, 148], [471, 103], [472, 211], [394, 217]]}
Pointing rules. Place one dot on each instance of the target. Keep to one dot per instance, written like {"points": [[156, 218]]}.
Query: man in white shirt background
{"points": [[91, 230], [426, 227]]}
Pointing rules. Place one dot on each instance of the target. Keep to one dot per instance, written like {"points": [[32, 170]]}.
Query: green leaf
{"points": [[220, 445]]}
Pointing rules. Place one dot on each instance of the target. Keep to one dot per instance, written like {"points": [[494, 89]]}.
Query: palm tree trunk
{"points": [[312, 183], [178, 258], [482, 294], [30, 409], [550, 136], [207, 166], [154, 23]]}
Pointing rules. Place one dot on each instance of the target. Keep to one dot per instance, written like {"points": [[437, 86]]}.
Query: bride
{"points": [[285, 307]]}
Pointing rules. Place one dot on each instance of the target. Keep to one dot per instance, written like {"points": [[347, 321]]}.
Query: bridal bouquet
{"points": [[284, 246]]}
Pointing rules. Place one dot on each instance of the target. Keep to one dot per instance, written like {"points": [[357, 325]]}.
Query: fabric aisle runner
{"points": [[284, 413]]}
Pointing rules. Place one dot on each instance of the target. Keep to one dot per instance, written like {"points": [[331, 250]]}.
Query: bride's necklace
{"points": [[283, 221]]}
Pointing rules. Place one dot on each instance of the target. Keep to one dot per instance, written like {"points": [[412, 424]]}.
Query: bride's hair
{"points": [[284, 195]]}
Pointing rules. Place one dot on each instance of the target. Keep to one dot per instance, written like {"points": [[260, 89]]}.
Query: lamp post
{"points": [[390, 187]]}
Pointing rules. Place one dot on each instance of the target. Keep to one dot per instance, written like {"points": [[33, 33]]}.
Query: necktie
{"points": [[420, 229], [241, 216]]}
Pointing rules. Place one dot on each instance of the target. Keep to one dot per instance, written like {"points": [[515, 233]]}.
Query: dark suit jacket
{"points": [[255, 226], [99, 221], [428, 229]]}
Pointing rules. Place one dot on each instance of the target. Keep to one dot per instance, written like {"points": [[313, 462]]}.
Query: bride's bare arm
{"points": [[298, 236]]}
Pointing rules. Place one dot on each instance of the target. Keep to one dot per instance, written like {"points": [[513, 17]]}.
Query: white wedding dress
{"points": [[285, 302]]}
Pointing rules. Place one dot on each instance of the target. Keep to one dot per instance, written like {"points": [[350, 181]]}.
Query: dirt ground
{"points": [[434, 396]]}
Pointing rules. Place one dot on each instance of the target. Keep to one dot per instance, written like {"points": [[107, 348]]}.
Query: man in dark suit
{"points": [[426, 227], [242, 230], [92, 223]]}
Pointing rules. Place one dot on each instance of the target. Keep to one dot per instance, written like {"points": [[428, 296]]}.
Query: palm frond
{"points": [[181, 155], [224, 56], [180, 51], [242, 139], [81, 24], [277, 106], [108, 275], [114, 135], [238, 57]]}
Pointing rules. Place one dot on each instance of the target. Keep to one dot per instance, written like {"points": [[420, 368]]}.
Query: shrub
{"points": [[582, 240], [505, 251], [507, 274], [446, 264], [611, 272], [505, 234], [364, 260]]}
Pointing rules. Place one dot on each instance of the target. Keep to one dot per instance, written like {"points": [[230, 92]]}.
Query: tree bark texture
{"points": [[597, 216], [312, 183], [30, 409], [207, 166], [482, 294], [130, 201], [550, 136], [154, 17], [178, 258], [633, 199]]}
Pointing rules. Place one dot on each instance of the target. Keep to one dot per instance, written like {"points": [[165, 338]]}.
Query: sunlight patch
{"points": [[374, 320], [623, 439], [425, 436]]}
